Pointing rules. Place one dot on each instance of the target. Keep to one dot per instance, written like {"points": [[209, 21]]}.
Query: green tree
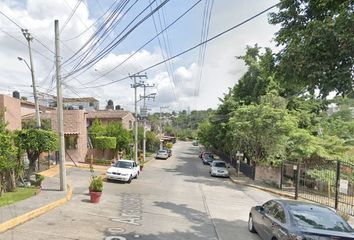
{"points": [[262, 132], [317, 43], [122, 135], [34, 142], [8, 161]]}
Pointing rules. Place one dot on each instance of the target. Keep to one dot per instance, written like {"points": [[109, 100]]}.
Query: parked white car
{"points": [[161, 154], [219, 169], [123, 170]]}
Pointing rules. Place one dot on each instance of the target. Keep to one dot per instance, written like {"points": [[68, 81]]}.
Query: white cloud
{"points": [[221, 69]]}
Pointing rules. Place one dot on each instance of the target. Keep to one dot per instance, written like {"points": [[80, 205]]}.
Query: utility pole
{"points": [[135, 86], [144, 113], [29, 38], [162, 107], [60, 109]]}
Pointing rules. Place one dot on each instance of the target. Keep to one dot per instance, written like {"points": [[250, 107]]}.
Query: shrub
{"points": [[105, 143], [96, 184], [169, 145], [39, 180]]}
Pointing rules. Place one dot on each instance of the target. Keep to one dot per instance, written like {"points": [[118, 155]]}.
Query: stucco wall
{"points": [[126, 120], [74, 124], [12, 114]]}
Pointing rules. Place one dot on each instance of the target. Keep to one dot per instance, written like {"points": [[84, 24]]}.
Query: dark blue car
{"points": [[294, 220]]}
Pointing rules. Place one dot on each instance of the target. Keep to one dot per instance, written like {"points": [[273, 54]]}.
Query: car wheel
{"points": [[250, 224], [136, 176], [130, 179]]}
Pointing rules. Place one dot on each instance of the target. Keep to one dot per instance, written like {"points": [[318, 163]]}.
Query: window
{"points": [[91, 104], [276, 211], [130, 124], [71, 142]]}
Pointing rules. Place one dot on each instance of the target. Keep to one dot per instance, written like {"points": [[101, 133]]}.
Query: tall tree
{"points": [[317, 40]]}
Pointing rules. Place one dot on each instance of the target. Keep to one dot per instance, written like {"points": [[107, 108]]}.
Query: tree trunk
{"points": [[11, 181]]}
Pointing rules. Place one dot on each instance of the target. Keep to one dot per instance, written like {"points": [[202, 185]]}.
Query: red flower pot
{"points": [[141, 168], [95, 196]]}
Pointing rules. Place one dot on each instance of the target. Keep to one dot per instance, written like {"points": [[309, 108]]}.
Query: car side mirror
{"points": [[260, 209]]}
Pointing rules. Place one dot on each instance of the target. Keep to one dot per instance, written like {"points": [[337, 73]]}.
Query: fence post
{"points": [[337, 185], [281, 176], [297, 181]]}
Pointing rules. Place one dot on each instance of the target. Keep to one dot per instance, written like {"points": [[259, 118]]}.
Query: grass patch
{"points": [[19, 195]]}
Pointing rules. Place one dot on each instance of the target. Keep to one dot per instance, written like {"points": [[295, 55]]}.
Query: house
{"points": [[75, 133], [106, 116], [87, 103], [11, 108]]}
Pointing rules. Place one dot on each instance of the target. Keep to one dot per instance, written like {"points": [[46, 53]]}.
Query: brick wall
{"points": [[12, 114]]}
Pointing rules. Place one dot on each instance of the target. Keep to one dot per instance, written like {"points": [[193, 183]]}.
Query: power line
{"points": [[2, 13], [116, 42], [145, 44], [71, 15], [194, 47]]}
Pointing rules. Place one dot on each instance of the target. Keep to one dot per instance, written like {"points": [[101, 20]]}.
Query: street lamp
{"points": [[38, 119]]}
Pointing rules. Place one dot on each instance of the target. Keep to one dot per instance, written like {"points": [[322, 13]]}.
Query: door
{"points": [[275, 222], [261, 219]]}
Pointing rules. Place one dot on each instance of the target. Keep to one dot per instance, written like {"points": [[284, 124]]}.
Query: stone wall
{"points": [[271, 175]]}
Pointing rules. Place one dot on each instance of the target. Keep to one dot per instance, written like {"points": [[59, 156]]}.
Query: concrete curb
{"points": [[262, 188], [35, 213]]}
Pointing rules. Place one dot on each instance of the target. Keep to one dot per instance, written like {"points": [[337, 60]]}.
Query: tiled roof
{"points": [[107, 114]]}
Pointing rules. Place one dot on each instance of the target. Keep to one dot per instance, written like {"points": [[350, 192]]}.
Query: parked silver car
{"points": [[219, 169], [161, 154]]}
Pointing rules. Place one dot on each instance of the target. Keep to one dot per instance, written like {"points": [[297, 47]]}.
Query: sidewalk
{"points": [[48, 198]]}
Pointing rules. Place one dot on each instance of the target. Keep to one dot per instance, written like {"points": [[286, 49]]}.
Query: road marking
{"points": [[131, 213]]}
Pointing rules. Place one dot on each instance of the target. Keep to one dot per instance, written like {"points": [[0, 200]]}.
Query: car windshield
{"points": [[121, 164], [220, 164], [320, 219], [162, 151]]}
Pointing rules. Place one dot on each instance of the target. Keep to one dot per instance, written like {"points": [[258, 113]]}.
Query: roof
{"points": [[28, 103], [108, 114], [83, 99]]}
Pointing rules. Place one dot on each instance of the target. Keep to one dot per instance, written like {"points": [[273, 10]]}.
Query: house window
{"points": [[71, 142], [91, 104], [130, 124]]}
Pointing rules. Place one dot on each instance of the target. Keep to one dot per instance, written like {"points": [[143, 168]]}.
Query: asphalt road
{"points": [[171, 199]]}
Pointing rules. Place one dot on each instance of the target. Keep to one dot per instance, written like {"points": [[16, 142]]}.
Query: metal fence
{"points": [[326, 182]]}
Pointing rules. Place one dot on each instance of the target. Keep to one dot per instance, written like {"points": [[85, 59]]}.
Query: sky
{"points": [[180, 87]]}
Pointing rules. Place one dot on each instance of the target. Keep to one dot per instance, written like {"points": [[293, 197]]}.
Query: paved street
{"points": [[171, 199]]}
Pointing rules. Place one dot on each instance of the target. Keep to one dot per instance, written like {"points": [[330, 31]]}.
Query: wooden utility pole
{"points": [[135, 86], [60, 110]]}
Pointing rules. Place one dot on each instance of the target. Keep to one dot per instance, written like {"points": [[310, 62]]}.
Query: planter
{"points": [[95, 196], [141, 168]]}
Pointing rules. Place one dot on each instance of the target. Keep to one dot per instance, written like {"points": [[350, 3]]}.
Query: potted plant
{"points": [[96, 187]]}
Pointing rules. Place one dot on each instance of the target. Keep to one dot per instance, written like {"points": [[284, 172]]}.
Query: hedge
{"points": [[105, 143]]}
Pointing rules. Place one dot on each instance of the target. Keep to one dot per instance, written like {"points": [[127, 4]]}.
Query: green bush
{"points": [[169, 145], [96, 184], [105, 143], [39, 180], [104, 162]]}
